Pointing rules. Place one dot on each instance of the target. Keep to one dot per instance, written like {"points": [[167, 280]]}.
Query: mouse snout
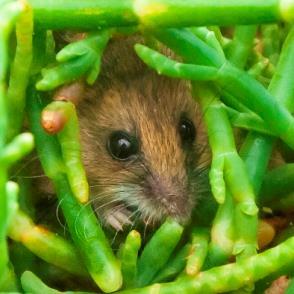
{"points": [[169, 195]]}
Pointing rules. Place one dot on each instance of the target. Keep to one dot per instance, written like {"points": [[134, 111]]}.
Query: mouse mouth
{"points": [[147, 204], [123, 214]]}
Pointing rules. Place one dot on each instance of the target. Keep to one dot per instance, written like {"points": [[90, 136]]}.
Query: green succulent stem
{"points": [[158, 13], [9, 13], [256, 149], [241, 45], [175, 265], [129, 257], [85, 230], [228, 277], [198, 251], [32, 284], [69, 139], [157, 251], [45, 244], [20, 71], [80, 59], [277, 183]]}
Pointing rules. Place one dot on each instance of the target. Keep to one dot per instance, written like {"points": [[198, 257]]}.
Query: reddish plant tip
{"points": [[53, 121]]}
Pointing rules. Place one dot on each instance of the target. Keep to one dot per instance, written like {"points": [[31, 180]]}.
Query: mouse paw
{"points": [[117, 218]]}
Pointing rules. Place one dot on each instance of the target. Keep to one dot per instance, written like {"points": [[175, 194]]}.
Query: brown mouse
{"points": [[142, 141]]}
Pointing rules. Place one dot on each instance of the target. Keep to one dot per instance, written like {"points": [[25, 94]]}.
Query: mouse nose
{"points": [[170, 196]]}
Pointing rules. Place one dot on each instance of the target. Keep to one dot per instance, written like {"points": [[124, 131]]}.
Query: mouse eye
{"points": [[187, 130], [121, 145]]}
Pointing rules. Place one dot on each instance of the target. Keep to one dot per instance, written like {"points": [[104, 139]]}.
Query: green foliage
{"points": [[230, 96]]}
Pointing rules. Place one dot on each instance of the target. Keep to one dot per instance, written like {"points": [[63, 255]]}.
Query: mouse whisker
{"points": [[23, 166], [113, 239], [109, 194], [106, 204], [83, 207], [134, 213], [58, 218], [137, 220], [146, 225], [29, 177], [113, 184]]}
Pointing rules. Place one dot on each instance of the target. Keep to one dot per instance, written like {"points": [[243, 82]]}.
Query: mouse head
{"points": [[141, 146]]}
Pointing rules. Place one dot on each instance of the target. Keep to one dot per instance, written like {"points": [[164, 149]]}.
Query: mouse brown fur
{"points": [[160, 179]]}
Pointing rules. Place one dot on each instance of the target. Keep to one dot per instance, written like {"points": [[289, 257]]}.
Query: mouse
{"points": [[142, 140], [144, 147]]}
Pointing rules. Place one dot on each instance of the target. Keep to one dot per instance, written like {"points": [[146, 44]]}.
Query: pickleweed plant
{"points": [[239, 60]]}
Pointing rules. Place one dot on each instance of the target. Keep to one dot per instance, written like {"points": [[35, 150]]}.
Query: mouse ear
{"points": [[74, 92]]}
